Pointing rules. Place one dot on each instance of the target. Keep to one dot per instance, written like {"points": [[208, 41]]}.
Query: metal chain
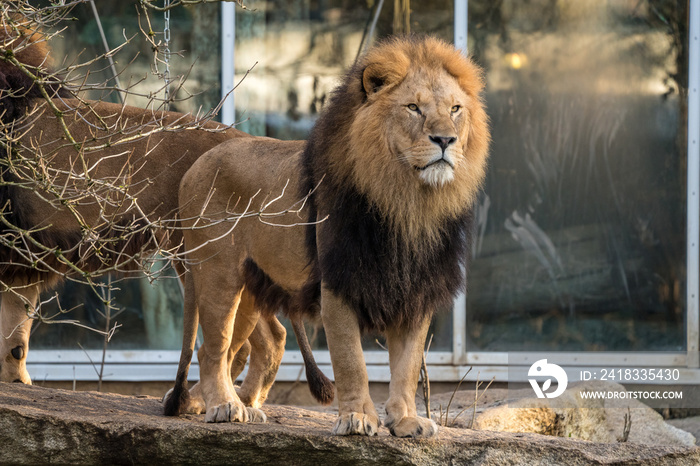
{"points": [[166, 52]]}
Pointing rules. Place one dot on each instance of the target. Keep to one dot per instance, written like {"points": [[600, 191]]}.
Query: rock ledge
{"points": [[39, 425]]}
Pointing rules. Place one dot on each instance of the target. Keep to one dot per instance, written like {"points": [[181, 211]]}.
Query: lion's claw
{"points": [[356, 424], [227, 412], [415, 427]]}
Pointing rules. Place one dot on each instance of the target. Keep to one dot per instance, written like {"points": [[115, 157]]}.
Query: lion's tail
{"points": [[321, 388], [179, 396], [270, 297]]}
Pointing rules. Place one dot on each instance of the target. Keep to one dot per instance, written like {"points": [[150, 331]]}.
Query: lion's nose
{"points": [[443, 141]]}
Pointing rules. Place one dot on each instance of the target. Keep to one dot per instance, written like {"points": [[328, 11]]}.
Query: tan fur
{"points": [[22, 37], [381, 155], [220, 186]]}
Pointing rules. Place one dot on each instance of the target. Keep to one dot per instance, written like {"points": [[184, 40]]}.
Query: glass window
{"points": [[292, 54], [580, 243], [582, 228]]}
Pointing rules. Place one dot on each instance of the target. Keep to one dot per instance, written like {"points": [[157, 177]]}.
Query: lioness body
{"points": [[394, 166]]}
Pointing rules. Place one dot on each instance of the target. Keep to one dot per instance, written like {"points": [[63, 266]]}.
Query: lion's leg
{"points": [[267, 341], [15, 327], [405, 356], [247, 320], [356, 412], [243, 328], [196, 404], [218, 297], [240, 359], [244, 323]]}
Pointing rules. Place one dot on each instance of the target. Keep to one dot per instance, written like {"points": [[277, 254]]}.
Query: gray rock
{"points": [[569, 415], [39, 425], [688, 424]]}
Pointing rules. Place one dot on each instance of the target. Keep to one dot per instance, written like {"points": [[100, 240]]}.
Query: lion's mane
{"points": [[397, 250]]}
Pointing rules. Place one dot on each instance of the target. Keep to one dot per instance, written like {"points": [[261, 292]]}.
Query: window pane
{"points": [[292, 54], [581, 236], [194, 44], [149, 316]]}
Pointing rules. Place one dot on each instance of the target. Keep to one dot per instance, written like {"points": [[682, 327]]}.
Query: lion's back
{"points": [[243, 175]]}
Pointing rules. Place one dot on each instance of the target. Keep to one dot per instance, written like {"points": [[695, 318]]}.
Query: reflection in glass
{"points": [[580, 243], [581, 236]]}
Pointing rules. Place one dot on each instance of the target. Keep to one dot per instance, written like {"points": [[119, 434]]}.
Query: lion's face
{"points": [[426, 126], [411, 133]]}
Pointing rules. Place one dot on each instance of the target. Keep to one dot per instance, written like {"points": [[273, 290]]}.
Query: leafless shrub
{"points": [[627, 427], [444, 416]]}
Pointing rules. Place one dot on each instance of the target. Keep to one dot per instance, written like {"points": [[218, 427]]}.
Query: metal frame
{"points": [[693, 246], [228, 38], [445, 366]]}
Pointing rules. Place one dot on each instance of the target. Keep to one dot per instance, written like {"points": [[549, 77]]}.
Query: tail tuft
{"points": [[320, 386], [176, 398]]}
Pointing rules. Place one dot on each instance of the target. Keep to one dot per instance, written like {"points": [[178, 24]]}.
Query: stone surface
{"points": [[39, 425], [689, 424], [568, 415]]}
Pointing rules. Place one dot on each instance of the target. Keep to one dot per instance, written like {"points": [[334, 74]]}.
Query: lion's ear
{"points": [[373, 79], [380, 76]]}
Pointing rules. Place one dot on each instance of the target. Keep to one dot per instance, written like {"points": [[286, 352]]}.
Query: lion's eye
{"points": [[413, 108], [455, 108]]}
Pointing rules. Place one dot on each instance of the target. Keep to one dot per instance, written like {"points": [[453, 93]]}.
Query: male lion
{"points": [[142, 156], [393, 165]]}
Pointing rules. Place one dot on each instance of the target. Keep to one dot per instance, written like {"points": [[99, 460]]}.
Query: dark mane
{"points": [[385, 280]]}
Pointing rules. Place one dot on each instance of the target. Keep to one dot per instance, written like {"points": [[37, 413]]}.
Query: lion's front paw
{"points": [[231, 411], [416, 427], [255, 415], [356, 423]]}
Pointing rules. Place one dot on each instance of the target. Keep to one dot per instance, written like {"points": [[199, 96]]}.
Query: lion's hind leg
{"points": [[218, 298], [195, 404], [248, 322], [405, 354], [267, 342], [240, 359], [178, 400], [265, 353]]}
